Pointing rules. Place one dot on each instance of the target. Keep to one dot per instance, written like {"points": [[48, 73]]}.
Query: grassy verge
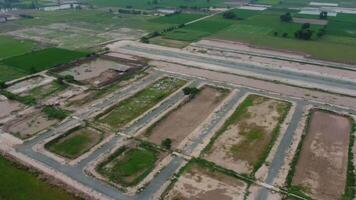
{"points": [[129, 109], [27, 100], [17, 182]]}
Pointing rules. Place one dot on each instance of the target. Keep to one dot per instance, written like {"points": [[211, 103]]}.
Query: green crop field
{"points": [[18, 184], [130, 108], [10, 73], [75, 143], [148, 4], [177, 18], [128, 166], [12, 47], [44, 59]]}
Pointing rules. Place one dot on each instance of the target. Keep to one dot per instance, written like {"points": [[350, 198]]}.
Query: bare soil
{"points": [[310, 21], [7, 107], [29, 125], [199, 183], [179, 123], [243, 143], [322, 165]]}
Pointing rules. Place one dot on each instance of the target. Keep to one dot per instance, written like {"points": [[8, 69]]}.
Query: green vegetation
{"points": [[150, 4], [17, 183], [191, 91], [350, 189], [27, 100], [10, 73], [177, 19], [75, 142], [54, 112], [44, 59], [167, 143], [12, 47], [128, 166], [130, 108]]}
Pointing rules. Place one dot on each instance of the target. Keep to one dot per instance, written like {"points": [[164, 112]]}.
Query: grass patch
{"points": [[16, 182], [75, 142], [128, 166], [10, 47], [27, 100], [43, 59], [10, 73], [131, 108], [177, 18], [54, 112], [44, 91]]}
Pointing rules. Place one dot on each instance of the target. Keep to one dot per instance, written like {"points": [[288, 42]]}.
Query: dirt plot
{"points": [[29, 125], [200, 183], [26, 84], [130, 164], [180, 122], [243, 143], [75, 142], [7, 107], [321, 167]]}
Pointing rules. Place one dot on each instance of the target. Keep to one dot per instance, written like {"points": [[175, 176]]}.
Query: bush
{"points": [[229, 15], [54, 112], [167, 143], [286, 17], [192, 91]]}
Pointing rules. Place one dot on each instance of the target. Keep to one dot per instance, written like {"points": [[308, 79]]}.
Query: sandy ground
{"points": [[28, 84], [322, 165], [200, 184], [283, 90], [27, 126], [182, 121], [7, 107], [254, 190], [93, 69], [262, 115]]}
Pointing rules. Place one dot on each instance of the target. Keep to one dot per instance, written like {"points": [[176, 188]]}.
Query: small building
{"points": [[3, 18], [167, 11]]}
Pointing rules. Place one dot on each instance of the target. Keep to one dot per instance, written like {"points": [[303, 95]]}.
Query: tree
{"points": [[192, 91], [304, 34], [285, 35], [286, 17], [3, 85], [229, 15], [305, 26], [167, 143], [323, 15], [275, 33]]}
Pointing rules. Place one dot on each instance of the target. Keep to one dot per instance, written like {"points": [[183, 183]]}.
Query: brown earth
{"points": [[198, 183], [182, 121], [243, 143], [322, 165]]}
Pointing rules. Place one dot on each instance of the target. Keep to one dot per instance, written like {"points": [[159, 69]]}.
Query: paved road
{"points": [[297, 77]]}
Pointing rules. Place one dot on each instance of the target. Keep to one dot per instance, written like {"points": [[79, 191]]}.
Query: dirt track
{"points": [[322, 165]]}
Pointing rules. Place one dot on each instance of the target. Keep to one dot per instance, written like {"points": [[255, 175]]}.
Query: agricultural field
{"points": [[10, 73], [18, 47], [43, 59], [184, 119], [18, 183], [323, 154], [130, 164], [75, 142], [202, 180], [244, 141], [129, 109], [147, 4], [42, 92]]}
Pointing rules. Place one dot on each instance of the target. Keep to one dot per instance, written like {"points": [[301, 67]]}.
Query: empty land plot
{"points": [[42, 92], [41, 60], [129, 109], [244, 141], [130, 164], [203, 181], [7, 107], [16, 182], [321, 167], [75, 142], [27, 126], [184, 119]]}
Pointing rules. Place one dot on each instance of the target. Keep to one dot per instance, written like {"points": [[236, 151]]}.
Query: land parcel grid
{"points": [[75, 142], [183, 120], [245, 139], [127, 110], [130, 164], [200, 179], [320, 167]]}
